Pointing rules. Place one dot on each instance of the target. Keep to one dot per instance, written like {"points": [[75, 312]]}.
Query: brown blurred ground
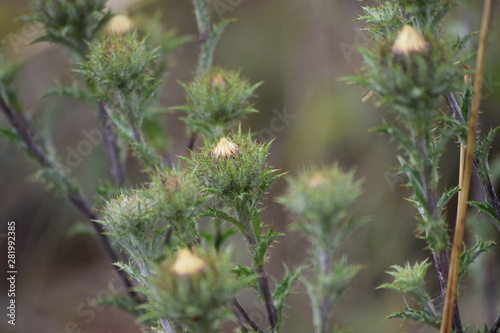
{"points": [[299, 49]]}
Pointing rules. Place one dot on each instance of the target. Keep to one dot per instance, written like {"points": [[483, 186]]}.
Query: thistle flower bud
{"points": [[232, 168], [224, 149], [409, 41], [200, 302], [171, 184], [317, 180], [218, 81], [187, 263], [119, 24], [216, 100], [323, 199]]}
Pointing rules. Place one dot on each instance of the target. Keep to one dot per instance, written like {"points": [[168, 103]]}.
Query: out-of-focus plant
{"points": [[411, 66], [324, 201]]}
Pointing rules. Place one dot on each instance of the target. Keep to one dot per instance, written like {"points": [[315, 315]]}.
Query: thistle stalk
{"points": [[244, 215]]}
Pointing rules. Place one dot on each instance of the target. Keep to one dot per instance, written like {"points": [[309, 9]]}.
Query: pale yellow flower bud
{"points": [[409, 41], [224, 149], [317, 180], [120, 24], [218, 80], [187, 263]]}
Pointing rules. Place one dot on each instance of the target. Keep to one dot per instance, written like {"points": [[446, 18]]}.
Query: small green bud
{"points": [[216, 100]]}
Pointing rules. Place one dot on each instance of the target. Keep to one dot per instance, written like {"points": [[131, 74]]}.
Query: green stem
{"points": [[34, 146], [244, 212], [203, 20], [325, 307], [432, 212]]}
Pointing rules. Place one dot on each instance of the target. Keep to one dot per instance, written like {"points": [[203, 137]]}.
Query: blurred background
{"points": [[299, 49]]}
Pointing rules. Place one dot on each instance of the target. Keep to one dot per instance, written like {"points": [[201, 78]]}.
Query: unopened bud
{"points": [[317, 180], [187, 263], [224, 149], [120, 24], [409, 41], [171, 183], [218, 81]]}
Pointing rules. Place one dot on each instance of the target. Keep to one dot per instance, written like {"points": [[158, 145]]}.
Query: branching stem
{"points": [[110, 142], [242, 316], [244, 214], [32, 141]]}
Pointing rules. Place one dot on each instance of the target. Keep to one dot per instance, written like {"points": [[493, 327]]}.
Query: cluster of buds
{"points": [[216, 100], [196, 289], [232, 167]]}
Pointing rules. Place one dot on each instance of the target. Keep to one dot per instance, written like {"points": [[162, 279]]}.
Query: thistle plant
{"points": [[124, 72], [323, 199], [235, 172], [170, 237], [412, 65]]}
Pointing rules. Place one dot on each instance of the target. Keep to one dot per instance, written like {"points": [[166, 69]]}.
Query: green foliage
{"points": [[216, 100], [199, 300], [179, 201], [138, 219], [134, 221], [238, 175], [323, 199], [70, 23], [210, 34], [469, 255], [285, 289], [487, 209], [122, 69], [410, 66], [411, 281], [482, 152], [8, 93], [423, 316]]}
